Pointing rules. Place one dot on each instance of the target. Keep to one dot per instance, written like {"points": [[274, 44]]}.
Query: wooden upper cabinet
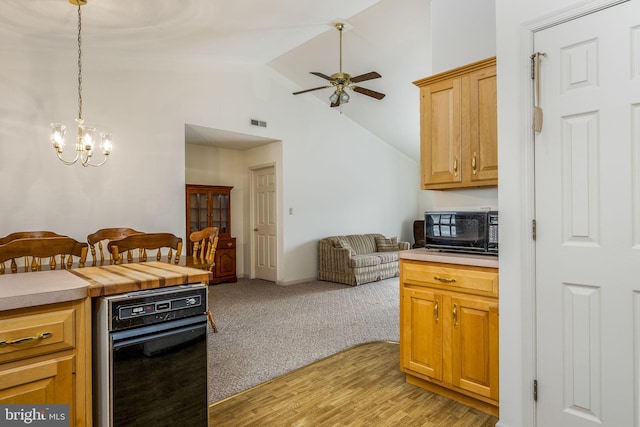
{"points": [[459, 144]]}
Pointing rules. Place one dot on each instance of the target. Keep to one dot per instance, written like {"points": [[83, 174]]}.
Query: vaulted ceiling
{"points": [[292, 36]]}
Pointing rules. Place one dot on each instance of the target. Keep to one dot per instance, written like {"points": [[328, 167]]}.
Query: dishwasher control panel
{"points": [[157, 305], [146, 309]]}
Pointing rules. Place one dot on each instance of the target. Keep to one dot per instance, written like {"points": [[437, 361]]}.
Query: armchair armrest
{"points": [[403, 246], [332, 259]]}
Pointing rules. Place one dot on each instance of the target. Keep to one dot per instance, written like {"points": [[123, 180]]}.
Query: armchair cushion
{"points": [[342, 243], [386, 245]]}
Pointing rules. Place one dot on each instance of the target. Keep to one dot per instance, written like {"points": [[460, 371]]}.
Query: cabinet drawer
{"points": [[474, 280], [226, 243], [38, 332]]}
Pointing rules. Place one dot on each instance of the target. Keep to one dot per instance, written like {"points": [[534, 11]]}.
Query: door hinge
{"points": [[535, 390], [533, 67], [533, 229]]}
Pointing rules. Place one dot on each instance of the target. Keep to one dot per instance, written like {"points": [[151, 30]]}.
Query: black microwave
{"points": [[468, 232]]}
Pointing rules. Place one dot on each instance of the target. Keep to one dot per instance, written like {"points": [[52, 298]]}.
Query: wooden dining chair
{"points": [[143, 242], [203, 248], [35, 250], [102, 237], [28, 235]]}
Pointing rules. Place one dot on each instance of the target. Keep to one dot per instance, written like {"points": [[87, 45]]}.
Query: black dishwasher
{"points": [[150, 358]]}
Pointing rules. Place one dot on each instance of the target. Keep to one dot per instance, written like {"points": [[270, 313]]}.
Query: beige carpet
{"points": [[266, 330]]}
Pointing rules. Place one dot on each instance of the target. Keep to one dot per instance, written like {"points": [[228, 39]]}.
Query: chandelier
{"points": [[87, 136]]}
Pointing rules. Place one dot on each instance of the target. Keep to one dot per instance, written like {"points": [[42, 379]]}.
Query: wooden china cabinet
{"points": [[210, 206]]}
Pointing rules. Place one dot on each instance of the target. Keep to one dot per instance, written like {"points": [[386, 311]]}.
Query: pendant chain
{"points": [[79, 63]]}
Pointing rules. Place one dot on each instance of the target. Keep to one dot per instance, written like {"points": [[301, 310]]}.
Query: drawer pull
{"points": [[444, 279], [42, 336]]}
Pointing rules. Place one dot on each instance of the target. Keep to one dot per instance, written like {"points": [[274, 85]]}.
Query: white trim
{"points": [[529, 353], [570, 13]]}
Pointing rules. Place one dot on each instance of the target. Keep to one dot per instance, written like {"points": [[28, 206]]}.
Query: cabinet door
{"points": [[474, 347], [220, 212], [441, 143], [421, 339], [226, 263], [40, 382], [197, 210], [483, 126]]}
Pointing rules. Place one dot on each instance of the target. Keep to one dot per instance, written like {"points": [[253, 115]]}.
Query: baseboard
{"points": [[486, 407], [296, 282]]}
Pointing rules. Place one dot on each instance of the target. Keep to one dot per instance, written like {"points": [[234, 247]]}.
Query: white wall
{"points": [[462, 31]]}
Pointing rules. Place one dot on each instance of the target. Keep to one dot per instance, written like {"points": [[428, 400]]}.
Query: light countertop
{"points": [[422, 254], [39, 288], [52, 286]]}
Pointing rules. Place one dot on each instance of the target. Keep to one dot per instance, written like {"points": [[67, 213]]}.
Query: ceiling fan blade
{"points": [[367, 76], [309, 90], [368, 92], [324, 76]]}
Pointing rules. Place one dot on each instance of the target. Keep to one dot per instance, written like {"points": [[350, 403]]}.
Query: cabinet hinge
{"points": [[533, 229], [535, 390]]}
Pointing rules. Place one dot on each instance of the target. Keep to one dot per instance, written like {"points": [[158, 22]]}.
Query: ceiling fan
{"points": [[342, 81]]}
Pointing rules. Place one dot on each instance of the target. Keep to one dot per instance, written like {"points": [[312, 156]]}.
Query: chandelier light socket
{"points": [[57, 136]]}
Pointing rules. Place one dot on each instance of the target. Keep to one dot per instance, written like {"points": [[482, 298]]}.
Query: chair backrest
{"points": [[27, 235], [34, 250], [204, 243], [105, 235], [142, 243]]}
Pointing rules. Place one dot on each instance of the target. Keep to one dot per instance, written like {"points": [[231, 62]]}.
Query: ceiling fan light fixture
{"points": [[341, 81]]}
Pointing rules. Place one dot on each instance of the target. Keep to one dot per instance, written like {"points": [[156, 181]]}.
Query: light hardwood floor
{"points": [[362, 386]]}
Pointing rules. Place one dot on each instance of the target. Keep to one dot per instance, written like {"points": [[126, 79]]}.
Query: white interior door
{"points": [[264, 223], [587, 190]]}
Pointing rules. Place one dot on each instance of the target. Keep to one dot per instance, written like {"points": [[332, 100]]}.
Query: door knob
{"points": [[255, 229]]}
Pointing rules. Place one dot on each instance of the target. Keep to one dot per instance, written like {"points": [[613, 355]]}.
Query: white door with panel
{"points": [[587, 190], [265, 223]]}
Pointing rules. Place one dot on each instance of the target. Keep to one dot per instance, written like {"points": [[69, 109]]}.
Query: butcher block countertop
{"points": [[118, 279], [49, 287], [422, 254]]}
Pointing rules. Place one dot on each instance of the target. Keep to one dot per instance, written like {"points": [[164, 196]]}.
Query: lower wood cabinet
{"points": [[45, 357], [449, 331], [224, 269]]}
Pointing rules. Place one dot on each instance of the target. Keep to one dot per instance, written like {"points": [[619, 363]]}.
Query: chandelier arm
{"points": [[67, 162], [95, 165]]}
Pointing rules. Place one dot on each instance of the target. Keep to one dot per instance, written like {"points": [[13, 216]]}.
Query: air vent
{"points": [[260, 123]]}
